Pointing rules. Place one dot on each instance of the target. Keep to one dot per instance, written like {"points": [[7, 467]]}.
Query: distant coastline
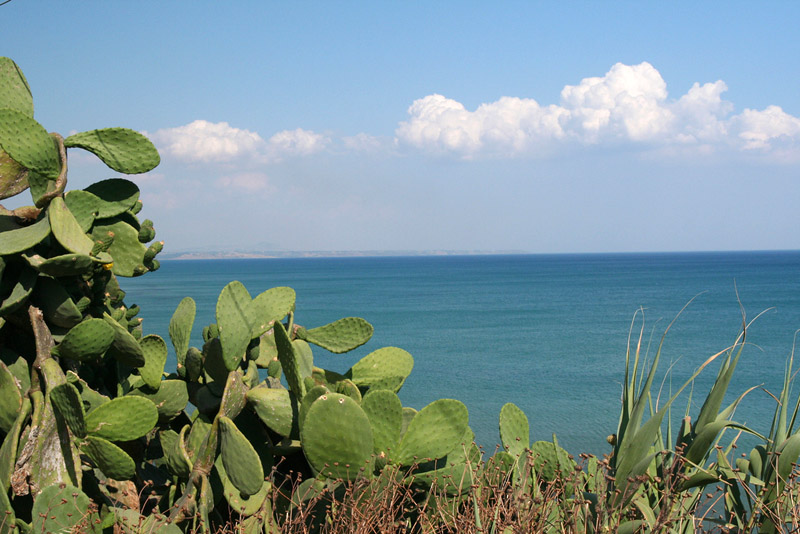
{"points": [[218, 255]]}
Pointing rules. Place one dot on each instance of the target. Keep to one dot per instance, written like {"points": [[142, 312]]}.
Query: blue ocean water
{"points": [[547, 332]]}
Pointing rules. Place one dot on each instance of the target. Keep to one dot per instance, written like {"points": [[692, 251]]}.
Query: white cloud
{"points": [[629, 104], [208, 141], [362, 142], [298, 142], [759, 129], [251, 182]]}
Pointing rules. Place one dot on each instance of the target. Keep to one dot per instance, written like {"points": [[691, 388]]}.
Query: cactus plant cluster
{"points": [[90, 420]]}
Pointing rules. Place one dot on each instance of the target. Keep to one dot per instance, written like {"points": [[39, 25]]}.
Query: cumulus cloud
{"points": [[219, 142], [298, 142], [207, 141], [251, 182], [630, 103]]}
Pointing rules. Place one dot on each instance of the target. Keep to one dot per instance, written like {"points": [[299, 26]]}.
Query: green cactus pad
{"points": [[170, 399], [122, 419], [67, 265], [289, 361], [18, 238], [308, 399], [123, 150], [154, 349], [10, 398], [233, 397], [305, 358], [514, 430], [56, 304], [67, 400], [233, 322], [194, 364], [385, 368], [408, 414], [275, 407], [433, 432], [87, 341], [342, 449], [177, 463], [115, 196], [246, 505], [339, 336], [271, 305], [201, 426], [127, 251], [84, 206], [213, 363], [28, 143], [13, 179], [66, 228], [62, 508], [110, 459], [90, 398], [346, 387], [13, 176], [125, 348], [267, 351], [21, 280], [549, 459], [241, 462], [8, 451], [385, 413], [16, 93], [180, 327]]}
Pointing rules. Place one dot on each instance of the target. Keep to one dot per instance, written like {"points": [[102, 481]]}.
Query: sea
{"points": [[548, 333]]}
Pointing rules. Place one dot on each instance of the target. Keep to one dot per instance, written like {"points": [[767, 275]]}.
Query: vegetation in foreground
{"points": [[246, 434]]}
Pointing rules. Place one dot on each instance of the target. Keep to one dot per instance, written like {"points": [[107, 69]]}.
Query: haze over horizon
{"points": [[537, 127]]}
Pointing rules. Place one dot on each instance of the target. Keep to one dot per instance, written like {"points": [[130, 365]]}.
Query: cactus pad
{"points": [[127, 251], [433, 432], [170, 399], [339, 336], [274, 406], [122, 419], [154, 349], [110, 459], [385, 413], [246, 505], [87, 341], [180, 327], [241, 462], [18, 238], [84, 206], [10, 399], [62, 508], [67, 265], [272, 305], [67, 400], [514, 430], [123, 150], [28, 143], [337, 438], [289, 361], [233, 322], [385, 368], [16, 93], [55, 303], [125, 348]]}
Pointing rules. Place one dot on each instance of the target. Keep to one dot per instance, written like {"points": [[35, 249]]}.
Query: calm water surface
{"points": [[547, 332]]}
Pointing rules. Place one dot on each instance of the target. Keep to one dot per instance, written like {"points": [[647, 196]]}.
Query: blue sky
{"points": [[529, 126]]}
